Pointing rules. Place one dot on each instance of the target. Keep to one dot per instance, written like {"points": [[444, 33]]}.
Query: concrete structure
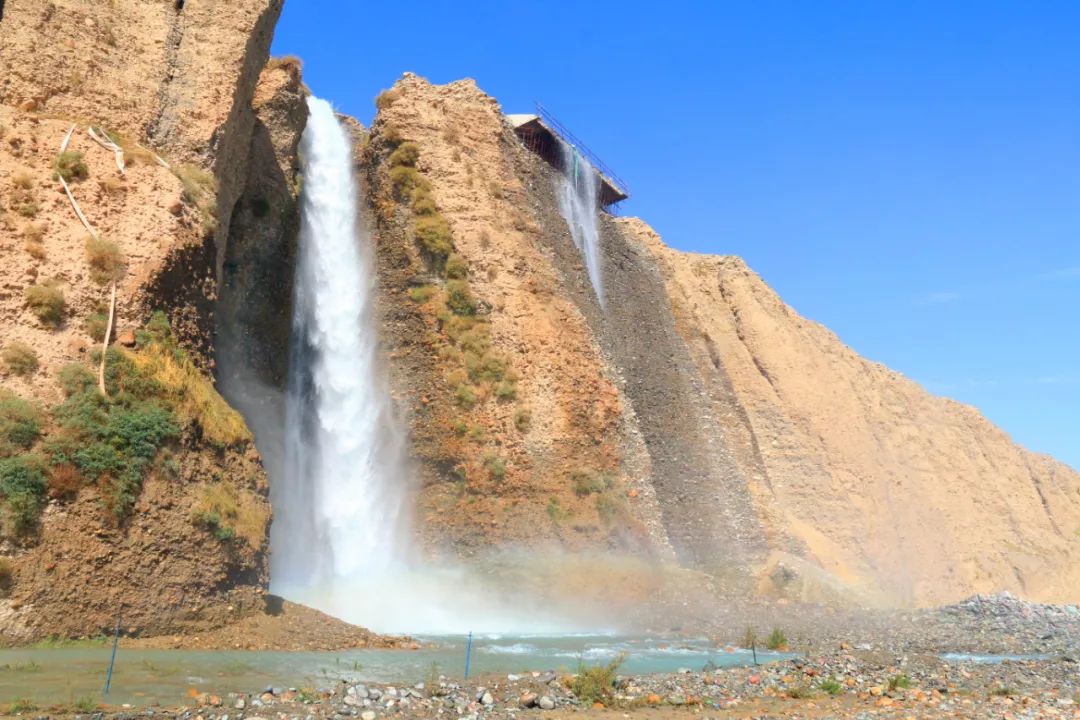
{"points": [[542, 133]]}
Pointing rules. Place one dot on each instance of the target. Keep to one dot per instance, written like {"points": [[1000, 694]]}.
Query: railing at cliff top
{"points": [[569, 137]]}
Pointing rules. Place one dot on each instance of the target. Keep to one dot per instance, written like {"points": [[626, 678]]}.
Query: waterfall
{"points": [[579, 193], [338, 512]]}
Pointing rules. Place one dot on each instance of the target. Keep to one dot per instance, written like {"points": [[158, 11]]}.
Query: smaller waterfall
{"points": [[579, 194]]}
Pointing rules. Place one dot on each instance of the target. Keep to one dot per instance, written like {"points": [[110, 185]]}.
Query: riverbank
{"points": [[839, 684]]}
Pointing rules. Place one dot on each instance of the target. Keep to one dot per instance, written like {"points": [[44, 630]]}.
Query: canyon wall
{"points": [[732, 436]]}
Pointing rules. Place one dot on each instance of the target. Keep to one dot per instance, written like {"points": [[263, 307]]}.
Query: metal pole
{"points": [[112, 662], [468, 653], [753, 649]]}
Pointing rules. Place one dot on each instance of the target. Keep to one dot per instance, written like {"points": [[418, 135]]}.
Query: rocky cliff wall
{"points": [[149, 502]]}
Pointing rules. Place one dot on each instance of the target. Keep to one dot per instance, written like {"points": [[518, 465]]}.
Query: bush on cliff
{"points": [[47, 303], [22, 487], [71, 166], [105, 259], [20, 358], [20, 424], [459, 298]]}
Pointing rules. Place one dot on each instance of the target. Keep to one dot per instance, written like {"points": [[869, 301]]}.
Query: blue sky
{"points": [[907, 173]]}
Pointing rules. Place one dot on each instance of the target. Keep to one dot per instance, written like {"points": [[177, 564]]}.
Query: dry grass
{"points": [[20, 358], [386, 98], [33, 232], [47, 302], [200, 189], [106, 261], [289, 63], [231, 512], [71, 166], [194, 394], [22, 180]]}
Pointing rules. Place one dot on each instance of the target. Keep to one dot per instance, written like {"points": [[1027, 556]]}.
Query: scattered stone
{"points": [[546, 703]]}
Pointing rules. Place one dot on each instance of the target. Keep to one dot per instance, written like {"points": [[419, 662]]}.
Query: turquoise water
{"points": [[166, 677]]}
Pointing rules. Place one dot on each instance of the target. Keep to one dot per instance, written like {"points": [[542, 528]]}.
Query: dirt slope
{"points": [[908, 497]]}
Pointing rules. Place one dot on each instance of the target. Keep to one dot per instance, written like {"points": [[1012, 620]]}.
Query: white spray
{"points": [[579, 193], [340, 537]]}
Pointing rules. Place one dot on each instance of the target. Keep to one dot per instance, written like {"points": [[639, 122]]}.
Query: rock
{"points": [[353, 700], [528, 699], [754, 679], [367, 715], [240, 703], [486, 699], [546, 703], [176, 208]]}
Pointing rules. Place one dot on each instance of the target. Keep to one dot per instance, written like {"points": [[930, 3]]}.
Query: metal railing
{"points": [[558, 128]]}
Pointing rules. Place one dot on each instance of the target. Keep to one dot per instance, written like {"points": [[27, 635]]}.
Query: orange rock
{"points": [[754, 679], [633, 492], [652, 699], [598, 705]]}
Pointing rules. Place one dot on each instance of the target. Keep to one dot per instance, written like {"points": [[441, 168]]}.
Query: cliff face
{"points": [[712, 424], [147, 503]]}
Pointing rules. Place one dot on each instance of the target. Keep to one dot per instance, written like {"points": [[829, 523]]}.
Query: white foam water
{"points": [[579, 193]]}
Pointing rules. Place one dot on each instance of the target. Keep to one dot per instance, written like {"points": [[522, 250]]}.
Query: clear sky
{"points": [[907, 173]]}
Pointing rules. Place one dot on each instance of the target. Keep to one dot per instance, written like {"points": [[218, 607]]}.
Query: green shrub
{"points": [[478, 432], [495, 466], [466, 396], [405, 181], [421, 294], [47, 303], [607, 506], [28, 209], [212, 521], [460, 427], [456, 267], [23, 488], [1003, 691], [106, 261], [406, 155], [75, 378], [899, 682], [831, 687], [459, 298], [596, 683], [71, 166], [799, 692], [777, 640], [21, 705], [433, 234], [20, 358], [422, 202], [20, 424], [85, 704]]}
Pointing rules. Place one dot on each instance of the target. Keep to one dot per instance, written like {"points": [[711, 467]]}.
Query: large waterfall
{"points": [[339, 511], [579, 193]]}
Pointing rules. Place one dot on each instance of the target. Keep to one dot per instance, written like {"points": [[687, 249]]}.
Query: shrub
{"points": [[200, 190], [406, 155], [33, 232], [21, 705], [20, 358], [422, 202], [799, 692], [495, 466], [111, 185], [433, 234], [478, 432], [899, 682], [22, 486], [71, 166], [830, 687], [85, 704], [290, 63], [386, 98], [466, 396], [586, 483], [35, 250], [506, 390], [405, 180], [22, 180], [749, 637], [95, 326], [459, 298], [596, 683], [75, 378], [28, 209], [460, 427], [607, 507], [456, 267], [20, 424], [7, 576], [522, 419], [105, 259], [1004, 691], [47, 302], [777, 640], [64, 482], [421, 294]]}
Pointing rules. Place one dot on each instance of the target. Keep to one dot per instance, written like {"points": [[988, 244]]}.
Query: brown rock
{"points": [[126, 338]]}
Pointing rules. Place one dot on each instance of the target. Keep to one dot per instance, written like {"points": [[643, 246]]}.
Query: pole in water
{"points": [[753, 649], [468, 653], [112, 661]]}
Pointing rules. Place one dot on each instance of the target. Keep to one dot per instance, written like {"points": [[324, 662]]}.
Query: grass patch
{"points": [[71, 166], [23, 489], [386, 98], [899, 682], [22, 180], [830, 687], [47, 303], [85, 704], [106, 261], [799, 692], [21, 705], [596, 683], [456, 268], [192, 393], [20, 358], [495, 466], [506, 390], [405, 155], [586, 482], [229, 513], [433, 234], [95, 326], [27, 210], [465, 396], [290, 63], [200, 190], [522, 419], [422, 294], [33, 232], [777, 640]]}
